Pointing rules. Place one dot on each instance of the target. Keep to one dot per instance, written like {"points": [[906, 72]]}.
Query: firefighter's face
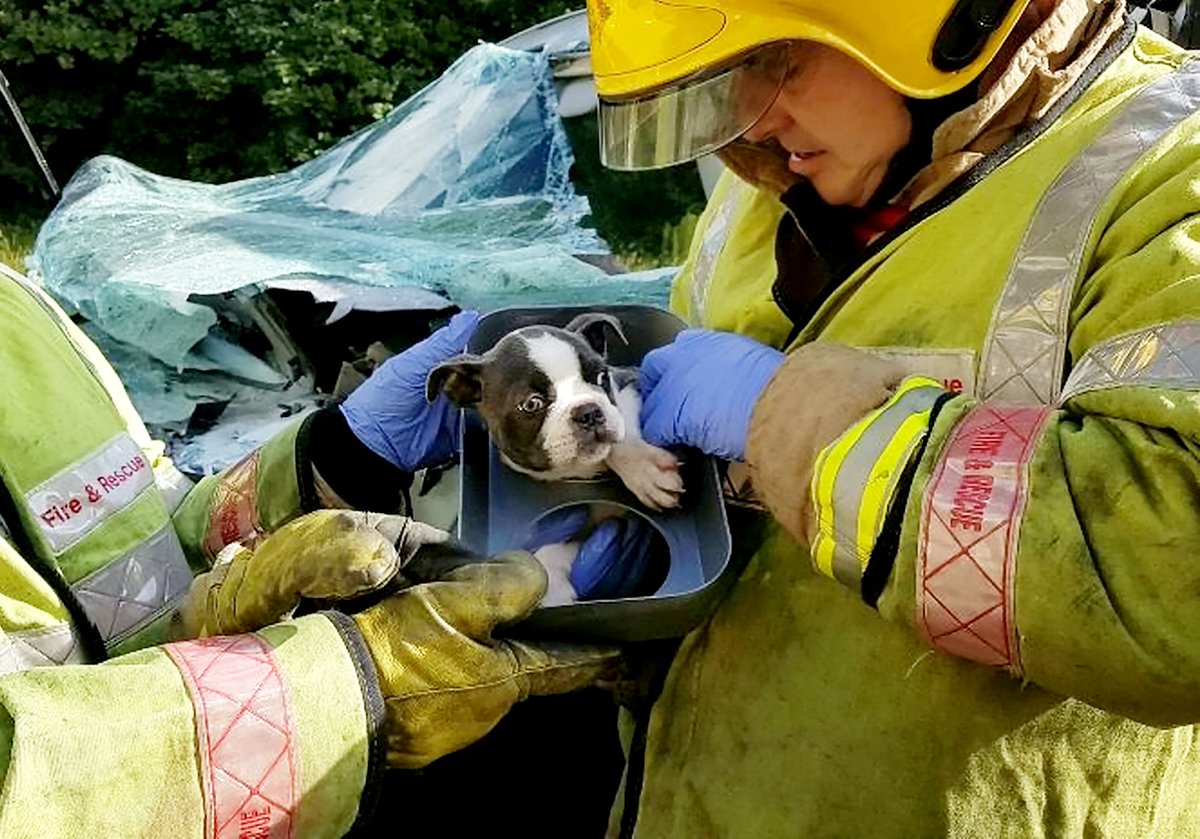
{"points": [[839, 123]]}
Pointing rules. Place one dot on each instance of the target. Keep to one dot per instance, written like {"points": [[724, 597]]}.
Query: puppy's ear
{"points": [[460, 378], [596, 328]]}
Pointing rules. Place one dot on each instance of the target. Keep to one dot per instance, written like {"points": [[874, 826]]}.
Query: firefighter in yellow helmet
{"points": [[959, 239]]}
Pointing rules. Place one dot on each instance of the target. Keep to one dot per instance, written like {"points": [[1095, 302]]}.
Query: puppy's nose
{"points": [[590, 416]]}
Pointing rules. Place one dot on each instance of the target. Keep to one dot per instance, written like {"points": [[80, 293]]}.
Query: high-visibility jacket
{"points": [[1031, 668], [253, 735]]}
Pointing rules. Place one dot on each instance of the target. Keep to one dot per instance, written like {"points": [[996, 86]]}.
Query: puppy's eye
{"points": [[602, 379], [533, 404]]}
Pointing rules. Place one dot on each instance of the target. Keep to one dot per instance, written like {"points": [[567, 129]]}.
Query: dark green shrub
{"points": [[216, 90], [646, 217]]}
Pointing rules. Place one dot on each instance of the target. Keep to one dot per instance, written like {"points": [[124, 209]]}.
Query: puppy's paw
{"points": [[650, 473], [557, 559]]}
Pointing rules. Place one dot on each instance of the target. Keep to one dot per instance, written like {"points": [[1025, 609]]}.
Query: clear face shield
{"points": [[694, 117]]}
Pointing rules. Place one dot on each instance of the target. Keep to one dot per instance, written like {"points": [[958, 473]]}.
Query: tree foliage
{"points": [[646, 217]]}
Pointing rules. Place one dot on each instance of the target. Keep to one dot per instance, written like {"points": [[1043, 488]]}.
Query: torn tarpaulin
{"points": [[460, 196], [167, 400]]}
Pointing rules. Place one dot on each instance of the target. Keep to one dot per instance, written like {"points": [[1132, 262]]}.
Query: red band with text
{"points": [[233, 513], [969, 531], [248, 760]]}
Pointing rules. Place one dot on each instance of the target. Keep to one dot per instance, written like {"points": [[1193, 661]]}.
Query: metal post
{"points": [[19, 118]]}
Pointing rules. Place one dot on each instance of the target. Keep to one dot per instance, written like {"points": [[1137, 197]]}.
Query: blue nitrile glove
{"points": [[389, 413], [612, 558], [557, 527], [701, 390]]}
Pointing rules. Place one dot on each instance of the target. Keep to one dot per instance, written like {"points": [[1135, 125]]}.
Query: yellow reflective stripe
{"points": [[882, 482], [822, 494], [829, 464], [877, 452]]}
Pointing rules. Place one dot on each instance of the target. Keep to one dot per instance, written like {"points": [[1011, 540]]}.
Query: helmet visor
{"points": [[694, 117]]}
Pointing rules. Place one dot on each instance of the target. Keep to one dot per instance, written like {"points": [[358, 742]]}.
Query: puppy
{"points": [[555, 408]]}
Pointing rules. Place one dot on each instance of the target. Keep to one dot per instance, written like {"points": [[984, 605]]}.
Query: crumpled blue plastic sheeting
{"points": [[460, 196], [165, 397]]}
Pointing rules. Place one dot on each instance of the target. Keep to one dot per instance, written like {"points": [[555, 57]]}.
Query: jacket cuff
{"points": [[257, 495], [283, 735], [376, 713], [358, 476], [336, 717], [887, 543], [246, 735], [863, 474]]}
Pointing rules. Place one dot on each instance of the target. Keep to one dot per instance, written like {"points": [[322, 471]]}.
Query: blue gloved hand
{"points": [[389, 412], [613, 557], [558, 527], [701, 390], [613, 560]]}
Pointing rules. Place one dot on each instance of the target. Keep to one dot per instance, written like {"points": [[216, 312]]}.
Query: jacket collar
{"points": [[1038, 74]]}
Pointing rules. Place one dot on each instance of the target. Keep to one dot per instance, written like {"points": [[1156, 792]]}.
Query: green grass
{"points": [[16, 241]]}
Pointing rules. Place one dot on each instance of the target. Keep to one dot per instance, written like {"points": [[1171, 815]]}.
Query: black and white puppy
{"points": [[555, 409]]}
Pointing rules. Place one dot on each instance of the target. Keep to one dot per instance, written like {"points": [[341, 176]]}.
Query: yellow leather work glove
{"points": [[324, 555], [446, 681], [819, 392]]}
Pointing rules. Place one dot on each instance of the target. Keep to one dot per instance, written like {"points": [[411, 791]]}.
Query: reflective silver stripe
{"points": [[1165, 355], [710, 249], [131, 592], [1026, 346], [27, 648], [173, 485], [854, 480]]}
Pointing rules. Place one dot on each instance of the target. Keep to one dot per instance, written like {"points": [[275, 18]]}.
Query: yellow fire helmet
{"points": [[678, 79]]}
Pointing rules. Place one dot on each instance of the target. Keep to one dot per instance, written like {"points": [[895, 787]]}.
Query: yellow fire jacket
{"points": [[1031, 667], [252, 735]]}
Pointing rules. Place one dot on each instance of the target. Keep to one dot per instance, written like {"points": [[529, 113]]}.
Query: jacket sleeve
{"points": [[315, 462], [1060, 542], [251, 735], [1063, 542]]}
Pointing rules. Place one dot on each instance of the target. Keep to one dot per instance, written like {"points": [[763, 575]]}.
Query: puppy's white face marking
{"points": [[629, 404], [560, 435]]}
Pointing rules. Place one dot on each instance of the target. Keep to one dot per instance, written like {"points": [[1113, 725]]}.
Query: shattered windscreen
{"points": [[461, 196]]}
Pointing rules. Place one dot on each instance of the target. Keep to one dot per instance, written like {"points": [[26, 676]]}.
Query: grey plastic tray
{"points": [[498, 505]]}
